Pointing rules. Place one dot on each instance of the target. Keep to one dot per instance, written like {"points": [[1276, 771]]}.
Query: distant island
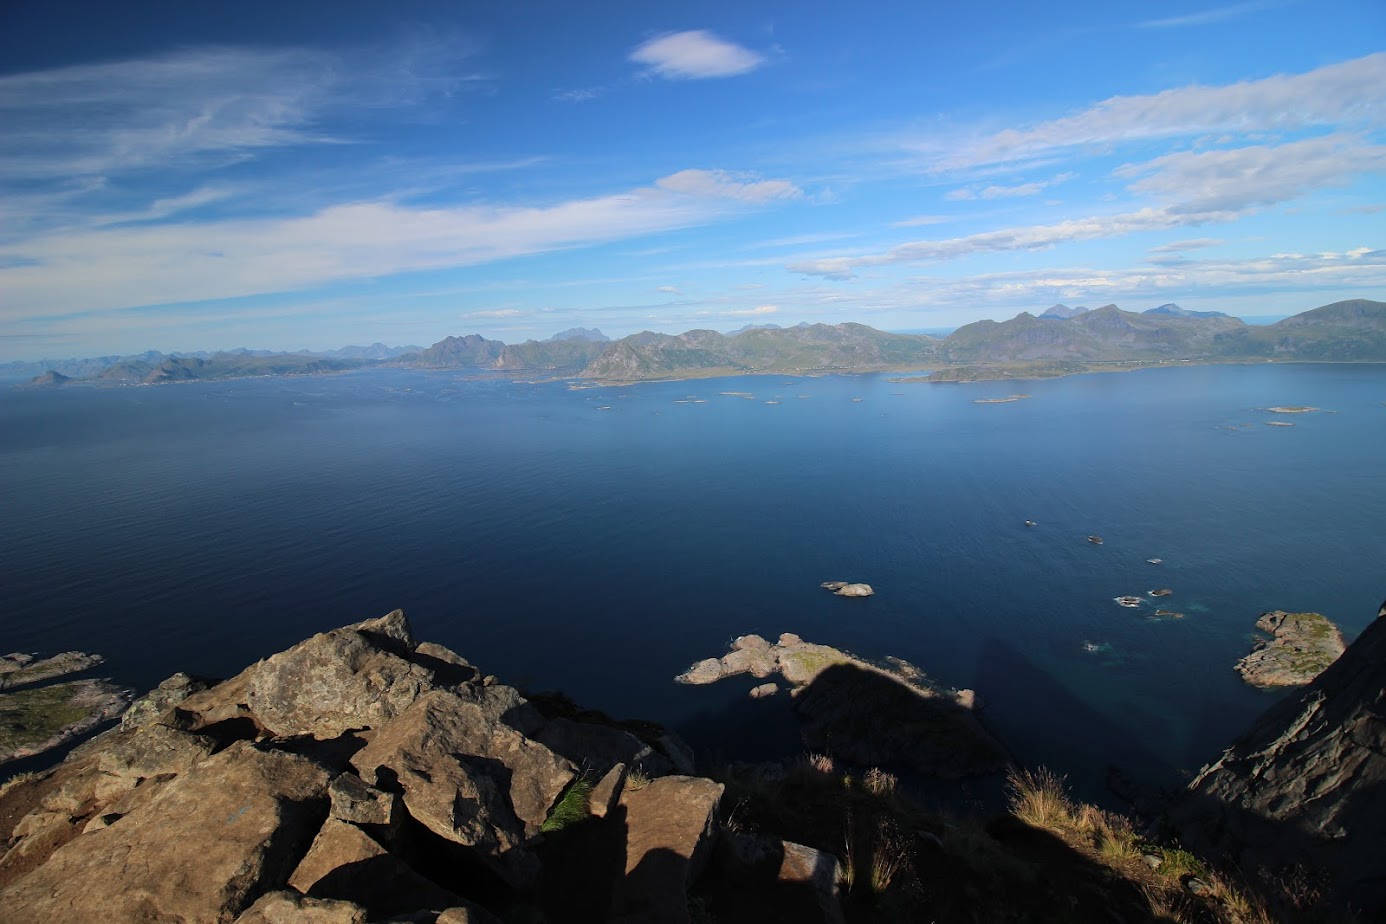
{"points": [[1061, 341]]}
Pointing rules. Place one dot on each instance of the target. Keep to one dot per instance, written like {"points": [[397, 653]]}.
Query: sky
{"points": [[200, 176]]}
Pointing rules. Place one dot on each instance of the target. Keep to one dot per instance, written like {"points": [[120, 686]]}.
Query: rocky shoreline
{"points": [[363, 775], [38, 716]]}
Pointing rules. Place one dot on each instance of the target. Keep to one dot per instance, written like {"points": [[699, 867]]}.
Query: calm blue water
{"points": [[202, 526]]}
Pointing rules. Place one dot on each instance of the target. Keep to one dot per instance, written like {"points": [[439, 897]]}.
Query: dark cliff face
{"points": [[1307, 784]]}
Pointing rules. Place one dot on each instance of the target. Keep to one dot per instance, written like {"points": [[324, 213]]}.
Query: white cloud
{"points": [[694, 55], [1032, 237], [920, 220], [1350, 92], [1235, 285], [1007, 192], [581, 95], [755, 312], [670, 290], [1192, 244], [1244, 178], [93, 269], [719, 184], [495, 313], [1216, 14], [1197, 188]]}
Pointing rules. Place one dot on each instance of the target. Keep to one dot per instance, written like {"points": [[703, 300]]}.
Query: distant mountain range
{"points": [[222, 364], [1060, 341], [1169, 310]]}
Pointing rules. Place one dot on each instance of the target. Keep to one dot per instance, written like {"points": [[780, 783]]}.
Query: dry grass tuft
{"points": [[1037, 798], [889, 856], [880, 783], [18, 779]]}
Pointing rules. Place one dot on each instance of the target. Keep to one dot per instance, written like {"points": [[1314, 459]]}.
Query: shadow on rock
{"points": [[873, 719]]}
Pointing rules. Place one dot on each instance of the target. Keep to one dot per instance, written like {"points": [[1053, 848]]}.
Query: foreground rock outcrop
{"points": [[865, 712], [1306, 786], [1300, 647], [358, 776]]}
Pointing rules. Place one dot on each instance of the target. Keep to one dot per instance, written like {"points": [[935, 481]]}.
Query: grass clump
{"points": [[1037, 797], [36, 714], [571, 807], [18, 780]]}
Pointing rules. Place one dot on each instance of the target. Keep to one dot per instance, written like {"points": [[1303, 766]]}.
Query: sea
{"points": [[598, 540]]}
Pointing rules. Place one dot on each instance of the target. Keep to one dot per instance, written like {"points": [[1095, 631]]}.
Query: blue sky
{"points": [[198, 176]]}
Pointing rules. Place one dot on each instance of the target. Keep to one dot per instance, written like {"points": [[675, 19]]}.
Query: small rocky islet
{"points": [[1299, 647], [848, 588]]}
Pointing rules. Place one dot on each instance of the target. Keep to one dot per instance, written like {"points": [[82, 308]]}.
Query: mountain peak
{"points": [[1062, 311], [1172, 310], [591, 334]]}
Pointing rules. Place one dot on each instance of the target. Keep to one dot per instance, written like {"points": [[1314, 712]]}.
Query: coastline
{"points": [[987, 372]]}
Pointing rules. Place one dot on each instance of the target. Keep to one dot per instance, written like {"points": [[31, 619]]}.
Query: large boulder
{"points": [[598, 748], [154, 705], [467, 775], [209, 843], [359, 676], [346, 864], [288, 907], [669, 822]]}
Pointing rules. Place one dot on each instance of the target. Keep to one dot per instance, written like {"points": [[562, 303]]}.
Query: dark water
{"points": [[202, 526]]}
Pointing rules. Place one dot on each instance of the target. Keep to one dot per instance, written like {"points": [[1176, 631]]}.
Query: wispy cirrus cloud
{"points": [[1215, 14], [1026, 238], [1193, 188], [1197, 243], [200, 107], [96, 268], [721, 184], [1294, 280], [1243, 178], [694, 55], [995, 191], [494, 313], [1348, 93]]}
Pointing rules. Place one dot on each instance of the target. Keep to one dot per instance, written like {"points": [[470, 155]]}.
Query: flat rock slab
{"points": [[220, 834], [669, 824], [291, 908], [346, 864], [1300, 647]]}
